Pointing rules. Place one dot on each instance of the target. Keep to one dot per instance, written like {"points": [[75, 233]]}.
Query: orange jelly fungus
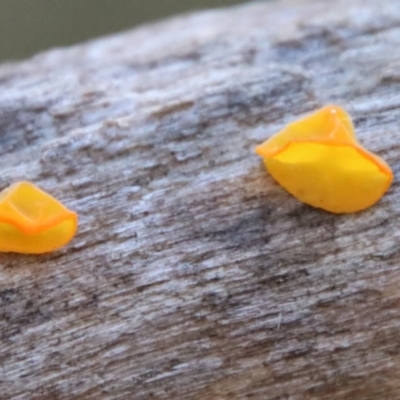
{"points": [[319, 160], [32, 221]]}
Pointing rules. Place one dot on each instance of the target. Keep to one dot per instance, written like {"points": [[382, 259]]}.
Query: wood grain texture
{"points": [[194, 275]]}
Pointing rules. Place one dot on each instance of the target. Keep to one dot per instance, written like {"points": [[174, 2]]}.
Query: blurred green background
{"points": [[30, 26]]}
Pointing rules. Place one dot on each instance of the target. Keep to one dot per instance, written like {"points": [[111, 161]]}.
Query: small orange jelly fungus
{"points": [[319, 160], [32, 221]]}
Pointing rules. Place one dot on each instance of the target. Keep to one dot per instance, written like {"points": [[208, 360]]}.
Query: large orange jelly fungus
{"points": [[32, 221], [320, 162]]}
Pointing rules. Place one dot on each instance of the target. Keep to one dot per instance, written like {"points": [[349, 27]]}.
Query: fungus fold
{"points": [[32, 221], [319, 160]]}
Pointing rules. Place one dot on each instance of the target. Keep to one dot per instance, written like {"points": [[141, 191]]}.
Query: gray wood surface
{"points": [[194, 275]]}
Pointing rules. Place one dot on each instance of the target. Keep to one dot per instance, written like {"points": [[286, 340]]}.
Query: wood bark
{"points": [[194, 275]]}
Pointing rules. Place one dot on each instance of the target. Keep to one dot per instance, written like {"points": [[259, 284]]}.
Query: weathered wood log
{"points": [[194, 275]]}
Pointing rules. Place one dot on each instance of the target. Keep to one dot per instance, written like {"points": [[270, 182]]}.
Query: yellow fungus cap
{"points": [[320, 162], [32, 221]]}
